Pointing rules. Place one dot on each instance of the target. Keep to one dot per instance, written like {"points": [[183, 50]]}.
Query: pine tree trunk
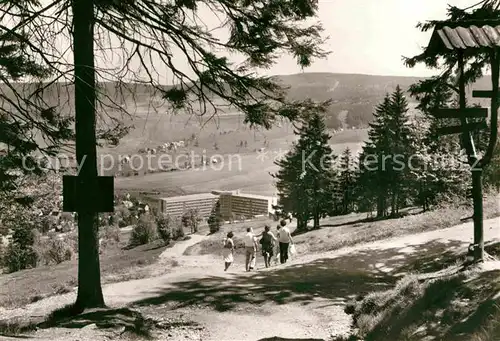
{"points": [[397, 202], [393, 203], [300, 224], [89, 273], [381, 206], [316, 220]]}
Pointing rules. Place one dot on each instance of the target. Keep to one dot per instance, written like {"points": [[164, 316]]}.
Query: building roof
{"points": [[219, 192], [464, 35], [255, 196], [189, 197]]}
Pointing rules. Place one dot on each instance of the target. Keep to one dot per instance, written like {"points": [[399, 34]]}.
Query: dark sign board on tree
{"points": [[103, 195]]}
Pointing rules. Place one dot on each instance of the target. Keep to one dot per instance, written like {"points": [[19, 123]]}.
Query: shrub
{"points": [[215, 220], [214, 224], [20, 253], [164, 226], [55, 250], [178, 232], [45, 224], [192, 220], [123, 214], [18, 258], [110, 235], [144, 232], [72, 240], [24, 234], [67, 226]]}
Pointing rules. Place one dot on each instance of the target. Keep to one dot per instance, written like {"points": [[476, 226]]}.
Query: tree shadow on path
{"points": [[339, 279]]}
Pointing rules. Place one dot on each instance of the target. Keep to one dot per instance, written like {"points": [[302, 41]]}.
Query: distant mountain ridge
{"points": [[354, 96]]}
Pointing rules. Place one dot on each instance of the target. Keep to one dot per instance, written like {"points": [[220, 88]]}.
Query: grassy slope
{"points": [[342, 231], [457, 307], [118, 263]]}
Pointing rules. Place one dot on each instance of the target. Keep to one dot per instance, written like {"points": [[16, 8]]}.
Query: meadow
{"points": [[239, 166]]}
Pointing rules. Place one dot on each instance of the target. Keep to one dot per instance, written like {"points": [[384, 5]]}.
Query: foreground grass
{"points": [[117, 264], [463, 306], [343, 231]]}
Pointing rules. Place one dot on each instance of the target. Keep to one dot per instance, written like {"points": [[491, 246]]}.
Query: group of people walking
{"points": [[268, 242]]}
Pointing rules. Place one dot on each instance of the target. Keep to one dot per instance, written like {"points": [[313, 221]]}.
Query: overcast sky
{"points": [[366, 36], [370, 36]]}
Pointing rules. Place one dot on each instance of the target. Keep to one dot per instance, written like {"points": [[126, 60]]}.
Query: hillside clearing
{"points": [[117, 264], [342, 231], [334, 264]]}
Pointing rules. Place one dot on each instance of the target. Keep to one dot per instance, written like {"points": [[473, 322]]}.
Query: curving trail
{"points": [[319, 318]]}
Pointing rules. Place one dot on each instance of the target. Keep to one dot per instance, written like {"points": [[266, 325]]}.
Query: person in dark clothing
{"points": [[267, 242]]}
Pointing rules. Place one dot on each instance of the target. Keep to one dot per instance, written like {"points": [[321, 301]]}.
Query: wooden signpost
{"points": [[465, 128], [462, 40]]}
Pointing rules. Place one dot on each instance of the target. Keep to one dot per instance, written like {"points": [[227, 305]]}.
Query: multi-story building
{"points": [[177, 206], [235, 204]]}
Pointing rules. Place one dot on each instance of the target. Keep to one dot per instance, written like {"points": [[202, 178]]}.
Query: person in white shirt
{"points": [[284, 239], [228, 253], [250, 249]]}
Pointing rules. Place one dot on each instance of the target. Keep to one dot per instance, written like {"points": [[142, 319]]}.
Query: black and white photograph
{"points": [[249, 170]]}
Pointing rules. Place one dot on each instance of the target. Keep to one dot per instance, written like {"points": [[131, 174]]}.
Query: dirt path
{"points": [[200, 282], [121, 293]]}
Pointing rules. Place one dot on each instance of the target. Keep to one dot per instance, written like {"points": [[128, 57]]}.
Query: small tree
{"points": [[191, 219], [55, 250], [21, 253], [305, 177], [215, 220], [346, 178], [164, 226], [144, 232]]}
